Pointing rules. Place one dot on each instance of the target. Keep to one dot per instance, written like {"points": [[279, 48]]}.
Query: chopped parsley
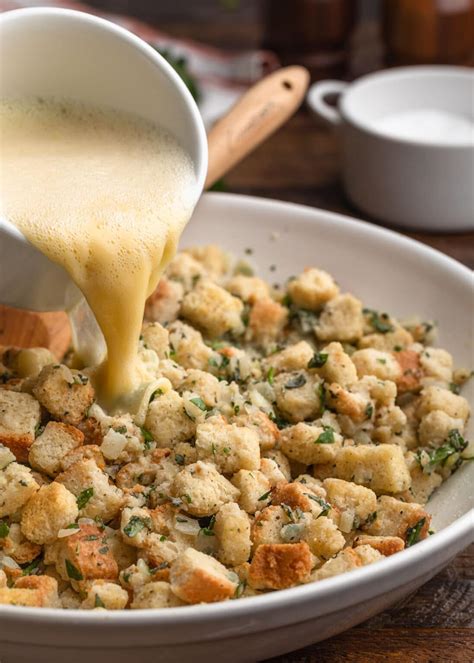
{"points": [[327, 437], [296, 382], [208, 530], [379, 321], [240, 589], [179, 458], [265, 496], [198, 402], [121, 429], [32, 568], [326, 508], [412, 534], [98, 603], [455, 443], [186, 498], [4, 529], [84, 497], [455, 388], [73, 572], [369, 410], [293, 514], [147, 436], [135, 525], [271, 375], [318, 360]]}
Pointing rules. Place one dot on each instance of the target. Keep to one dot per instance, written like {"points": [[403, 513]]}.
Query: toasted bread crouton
{"points": [[248, 288], [230, 447], [300, 443], [105, 595], [345, 560], [232, 529], [202, 383], [268, 524], [19, 416], [212, 309], [383, 365], [54, 443], [266, 429], [270, 469], [186, 270], [281, 460], [280, 565], [187, 347], [251, 485], [323, 538], [435, 427], [297, 495], [86, 452], [202, 489], [395, 340], [16, 546], [396, 518], [213, 259], [266, 322], [337, 367], [437, 363], [103, 498], [164, 303], [341, 320], [311, 289], [84, 555], [199, 578], [411, 371], [65, 393], [17, 485], [357, 502], [156, 337], [298, 395], [386, 545], [167, 420], [154, 595], [293, 358], [32, 591], [422, 484], [437, 398], [351, 403], [381, 468], [49, 510]]}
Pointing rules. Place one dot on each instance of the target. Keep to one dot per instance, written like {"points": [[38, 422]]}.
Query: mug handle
{"points": [[318, 104]]}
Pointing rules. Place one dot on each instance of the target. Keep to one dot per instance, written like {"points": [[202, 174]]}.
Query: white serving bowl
{"points": [[386, 271]]}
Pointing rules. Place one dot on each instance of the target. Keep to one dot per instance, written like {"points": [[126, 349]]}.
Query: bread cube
{"points": [[258, 421], [298, 395], [17, 486], [212, 309], [383, 365], [188, 347], [251, 485], [105, 595], [154, 595], [389, 342], [32, 591], [156, 337], [248, 288], [386, 545], [266, 321], [202, 383], [199, 578], [212, 257], [323, 538], [300, 443], [311, 289], [435, 427], [232, 529], [293, 358], [356, 501], [65, 393], [202, 489], [396, 518], [280, 565], [164, 303], [381, 468], [167, 420], [88, 483], [230, 447], [437, 364], [19, 417], [54, 443], [185, 269], [436, 398], [49, 510], [341, 320]]}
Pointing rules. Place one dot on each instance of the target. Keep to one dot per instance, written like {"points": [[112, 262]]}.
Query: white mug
{"points": [[413, 182], [69, 54]]}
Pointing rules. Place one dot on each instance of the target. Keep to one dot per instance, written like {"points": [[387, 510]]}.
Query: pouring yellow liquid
{"points": [[106, 195]]}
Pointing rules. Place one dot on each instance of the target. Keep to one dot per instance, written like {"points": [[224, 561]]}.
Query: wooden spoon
{"points": [[257, 114]]}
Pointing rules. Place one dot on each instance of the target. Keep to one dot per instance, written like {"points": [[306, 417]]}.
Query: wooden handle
{"points": [[28, 329], [255, 116]]}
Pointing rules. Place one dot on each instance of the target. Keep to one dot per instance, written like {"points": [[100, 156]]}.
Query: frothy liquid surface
{"points": [[106, 195]]}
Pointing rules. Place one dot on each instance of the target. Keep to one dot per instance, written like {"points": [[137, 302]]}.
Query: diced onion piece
{"points": [[67, 531], [113, 444], [346, 521], [187, 525]]}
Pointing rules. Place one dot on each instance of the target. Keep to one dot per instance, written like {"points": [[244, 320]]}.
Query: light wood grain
{"points": [[257, 114], [28, 329]]}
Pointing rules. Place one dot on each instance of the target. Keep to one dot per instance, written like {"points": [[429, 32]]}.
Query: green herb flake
{"points": [[179, 459], [296, 382], [32, 568], [327, 437], [271, 375], [380, 321], [73, 572], [4, 529], [412, 534], [326, 508], [240, 589], [98, 603], [147, 436], [369, 410], [455, 388], [455, 443], [186, 498], [121, 429], [198, 402], [318, 360], [265, 496], [84, 497], [134, 526]]}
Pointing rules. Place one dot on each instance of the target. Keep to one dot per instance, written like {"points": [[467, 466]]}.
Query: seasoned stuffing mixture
{"points": [[290, 435]]}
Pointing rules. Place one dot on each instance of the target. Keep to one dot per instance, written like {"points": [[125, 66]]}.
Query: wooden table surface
{"points": [[300, 164]]}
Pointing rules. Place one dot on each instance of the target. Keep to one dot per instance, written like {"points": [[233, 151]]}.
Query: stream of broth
{"points": [[106, 195]]}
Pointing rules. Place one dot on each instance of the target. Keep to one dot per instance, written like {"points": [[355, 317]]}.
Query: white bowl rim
{"points": [[425, 71], [461, 528], [148, 52]]}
